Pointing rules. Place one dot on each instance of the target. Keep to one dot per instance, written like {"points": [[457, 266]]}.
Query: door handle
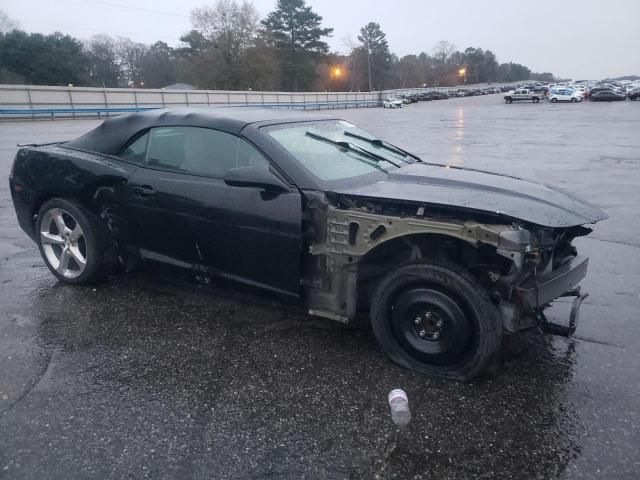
{"points": [[143, 191]]}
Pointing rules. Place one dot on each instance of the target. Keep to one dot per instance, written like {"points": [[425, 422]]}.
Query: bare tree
{"points": [[443, 50], [351, 45], [7, 24], [104, 65], [230, 26], [130, 55]]}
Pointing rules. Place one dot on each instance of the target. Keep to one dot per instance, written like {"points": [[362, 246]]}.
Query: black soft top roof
{"points": [[110, 136]]}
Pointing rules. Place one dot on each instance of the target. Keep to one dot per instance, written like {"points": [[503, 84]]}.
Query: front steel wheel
{"points": [[435, 317], [72, 242], [431, 325]]}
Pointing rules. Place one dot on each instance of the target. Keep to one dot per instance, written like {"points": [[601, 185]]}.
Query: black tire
{"points": [[458, 309], [573, 100], [94, 245], [554, 100], [508, 100], [536, 99]]}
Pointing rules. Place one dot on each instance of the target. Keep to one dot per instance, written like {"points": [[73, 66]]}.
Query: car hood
{"points": [[481, 191]]}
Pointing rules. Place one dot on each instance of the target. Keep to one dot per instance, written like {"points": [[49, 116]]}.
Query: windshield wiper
{"points": [[349, 147], [379, 143], [373, 155]]}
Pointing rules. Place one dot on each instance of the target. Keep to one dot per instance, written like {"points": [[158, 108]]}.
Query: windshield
{"points": [[336, 150]]}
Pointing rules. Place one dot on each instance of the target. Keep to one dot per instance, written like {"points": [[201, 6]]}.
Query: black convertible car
{"points": [[441, 259]]}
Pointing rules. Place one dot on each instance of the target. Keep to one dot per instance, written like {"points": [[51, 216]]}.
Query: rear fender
{"points": [[93, 181]]}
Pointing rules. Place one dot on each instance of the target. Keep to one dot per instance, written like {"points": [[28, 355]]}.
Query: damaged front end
{"points": [[352, 243], [553, 270]]}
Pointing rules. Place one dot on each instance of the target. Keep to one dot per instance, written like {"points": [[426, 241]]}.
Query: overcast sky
{"points": [[578, 39]]}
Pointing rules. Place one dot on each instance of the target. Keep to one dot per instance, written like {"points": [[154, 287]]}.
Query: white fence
{"points": [[31, 101], [28, 100]]}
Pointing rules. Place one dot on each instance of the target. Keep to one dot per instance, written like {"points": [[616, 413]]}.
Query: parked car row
{"points": [[471, 92], [604, 91], [607, 91], [532, 91], [398, 102], [427, 96]]}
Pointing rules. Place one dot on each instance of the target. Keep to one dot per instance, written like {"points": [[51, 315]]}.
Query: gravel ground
{"points": [[143, 377]]}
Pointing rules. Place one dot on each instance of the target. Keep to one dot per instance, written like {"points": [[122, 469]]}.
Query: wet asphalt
{"points": [[146, 377]]}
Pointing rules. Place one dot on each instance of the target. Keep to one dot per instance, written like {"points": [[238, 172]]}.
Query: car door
{"points": [[158, 198], [245, 233]]}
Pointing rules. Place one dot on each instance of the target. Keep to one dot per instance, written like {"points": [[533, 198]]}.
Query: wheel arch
{"points": [[359, 247], [414, 248], [97, 199], [91, 197], [415, 243]]}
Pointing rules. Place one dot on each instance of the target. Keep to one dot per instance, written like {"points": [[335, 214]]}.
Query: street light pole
{"points": [[369, 64]]}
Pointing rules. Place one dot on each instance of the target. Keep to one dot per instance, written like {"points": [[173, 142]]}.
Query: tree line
{"points": [[230, 48]]}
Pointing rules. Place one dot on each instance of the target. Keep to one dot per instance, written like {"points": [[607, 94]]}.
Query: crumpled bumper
{"points": [[562, 282], [555, 284]]}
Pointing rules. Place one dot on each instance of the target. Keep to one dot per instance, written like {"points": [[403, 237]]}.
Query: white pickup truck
{"points": [[522, 94]]}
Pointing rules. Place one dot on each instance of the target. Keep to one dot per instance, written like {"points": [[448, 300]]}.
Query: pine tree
{"points": [[296, 32], [374, 42]]}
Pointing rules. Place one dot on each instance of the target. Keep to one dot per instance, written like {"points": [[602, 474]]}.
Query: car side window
{"points": [[166, 148], [136, 150], [199, 151]]}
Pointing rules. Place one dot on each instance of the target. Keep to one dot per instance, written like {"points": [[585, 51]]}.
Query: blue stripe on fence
{"points": [[297, 106]]}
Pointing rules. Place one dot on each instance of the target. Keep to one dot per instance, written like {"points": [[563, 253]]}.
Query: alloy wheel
{"points": [[63, 243]]}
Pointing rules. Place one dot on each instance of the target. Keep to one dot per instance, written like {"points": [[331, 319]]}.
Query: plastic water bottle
{"points": [[399, 404]]}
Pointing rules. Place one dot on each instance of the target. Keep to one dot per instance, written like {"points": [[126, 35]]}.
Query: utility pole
{"points": [[369, 64]]}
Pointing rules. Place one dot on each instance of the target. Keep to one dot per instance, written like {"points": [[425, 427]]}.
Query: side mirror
{"points": [[254, 176]]}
